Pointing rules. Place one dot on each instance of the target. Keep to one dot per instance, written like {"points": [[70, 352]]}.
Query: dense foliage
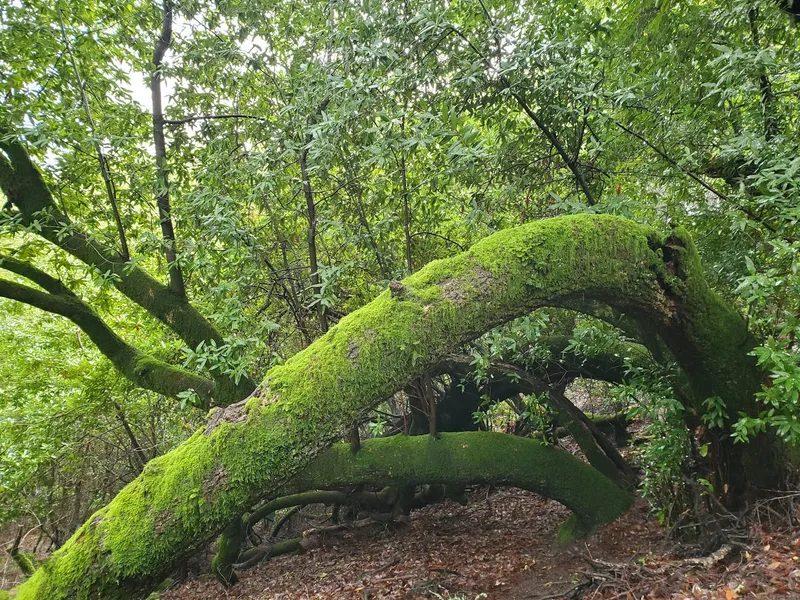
{"points": [[317, 151]]}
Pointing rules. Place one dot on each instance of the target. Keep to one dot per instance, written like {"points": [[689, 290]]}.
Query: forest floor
{"points": [[502, 546]]}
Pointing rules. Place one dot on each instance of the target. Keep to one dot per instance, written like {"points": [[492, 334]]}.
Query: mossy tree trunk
{"points": [[184, 498], [457, 459]]}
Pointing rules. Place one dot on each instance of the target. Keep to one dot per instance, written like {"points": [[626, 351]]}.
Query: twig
{"points": [[374, 572], [699, 180], [446, 572], [211, 117]]}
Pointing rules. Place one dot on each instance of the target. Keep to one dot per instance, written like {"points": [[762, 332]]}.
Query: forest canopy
{"points": [[234, 233]]}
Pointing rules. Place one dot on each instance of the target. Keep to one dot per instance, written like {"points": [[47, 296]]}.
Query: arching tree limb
{"points": [[142, 369], [509, 380], [458, 458], [25, 189], [186, 497]]}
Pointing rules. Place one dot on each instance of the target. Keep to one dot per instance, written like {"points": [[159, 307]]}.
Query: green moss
{"points": [[229, 545], [26, 562], [450, 463], [159, 376], [189, 495], [571, 530], [468, 458], [165, 585]]}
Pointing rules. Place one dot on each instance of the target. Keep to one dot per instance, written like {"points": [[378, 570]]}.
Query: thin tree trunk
{"points": [[406, 203], [138, 451], [311, 209], [101, 158], [771, 123], [176, 283], [426, 386]]}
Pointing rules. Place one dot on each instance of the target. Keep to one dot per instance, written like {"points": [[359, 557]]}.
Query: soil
{"points": [[502, 546]]}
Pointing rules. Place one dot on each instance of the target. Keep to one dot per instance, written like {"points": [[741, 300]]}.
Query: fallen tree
{"points": [[254, 447], [509, 380], [456, 458]]}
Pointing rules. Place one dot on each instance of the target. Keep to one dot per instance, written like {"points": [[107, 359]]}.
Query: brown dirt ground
{"points": [[502, 545]]}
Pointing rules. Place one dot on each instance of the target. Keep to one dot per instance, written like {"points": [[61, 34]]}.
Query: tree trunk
{"points": [[186, 497], [455, 458]]}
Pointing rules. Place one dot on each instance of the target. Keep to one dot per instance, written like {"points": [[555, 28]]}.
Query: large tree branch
{"points": [[142, 369], [37, 276], [508, 380], [24, 187], [457, 459], [253, 448]]}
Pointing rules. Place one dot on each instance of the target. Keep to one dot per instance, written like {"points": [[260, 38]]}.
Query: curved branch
{"points": [[142, 369], [438, 235], [454, 459], [249, 449], [23, 185], [474, 457], [37, 276], [509, 380]]}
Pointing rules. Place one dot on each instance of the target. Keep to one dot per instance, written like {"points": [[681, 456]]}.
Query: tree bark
{"points": [[24, 186], [102, 160], [186, 497], [176, 284], [509, 380], [455, 458], [311, 209], [142, 369]]}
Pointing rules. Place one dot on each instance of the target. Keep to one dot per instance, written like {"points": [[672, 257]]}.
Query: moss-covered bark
{"points": [[184, 498], [456, 459], [470, 457], [142, 369], [26, 190], [509, 380]]}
